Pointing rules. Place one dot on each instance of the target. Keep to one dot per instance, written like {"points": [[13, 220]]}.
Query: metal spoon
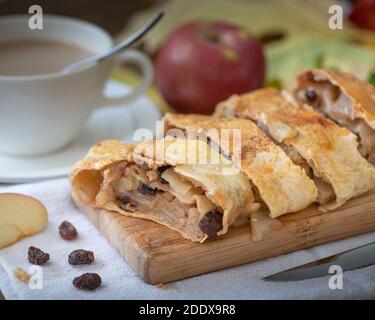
{"points": [[122, 45]]}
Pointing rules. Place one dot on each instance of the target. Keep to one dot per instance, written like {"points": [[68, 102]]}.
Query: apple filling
{"points": [[332, 102], [326, 193], [164, 194]]}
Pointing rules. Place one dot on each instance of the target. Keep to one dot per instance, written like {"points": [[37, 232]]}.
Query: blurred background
{"points": [[295, 34], [112, 15], [238, 46]]}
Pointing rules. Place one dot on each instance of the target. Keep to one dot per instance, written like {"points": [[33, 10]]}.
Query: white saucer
{"points": [[117, 122]]}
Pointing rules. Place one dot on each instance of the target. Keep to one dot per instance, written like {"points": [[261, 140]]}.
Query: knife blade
{"points": [[356, 258]]}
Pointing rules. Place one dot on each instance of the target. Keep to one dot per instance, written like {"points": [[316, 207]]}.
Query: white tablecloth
{"points": [[121, 282]]}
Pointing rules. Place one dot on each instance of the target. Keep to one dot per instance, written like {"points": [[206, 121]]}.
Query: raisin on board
{"points": [[160, 171], [67, 231], [148, 191], [211, 223], [37, 256], [87, 281], [81, 256]]}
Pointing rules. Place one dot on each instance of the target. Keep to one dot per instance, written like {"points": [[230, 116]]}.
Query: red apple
{"points": [[203, 63], [363, 14]]}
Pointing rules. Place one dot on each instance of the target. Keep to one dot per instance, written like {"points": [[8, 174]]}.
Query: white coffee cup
{"points": [[43, 113]]}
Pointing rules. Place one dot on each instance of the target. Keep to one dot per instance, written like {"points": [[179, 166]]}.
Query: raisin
{"points": [[125, 202], [211, 223], [81, 256], [311, 95], [67, 231], [160, 171], [37, 256], [148, 191], [124, 199], [87, 281]]}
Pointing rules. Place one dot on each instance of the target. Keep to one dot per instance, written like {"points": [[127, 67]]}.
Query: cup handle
{"points": [[143, 62]]}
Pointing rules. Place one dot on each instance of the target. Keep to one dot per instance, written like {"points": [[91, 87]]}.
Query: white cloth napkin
{"points": [[121, 282]]}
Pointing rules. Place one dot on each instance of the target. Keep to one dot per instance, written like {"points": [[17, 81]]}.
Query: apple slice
{"points": [[20, 216]]}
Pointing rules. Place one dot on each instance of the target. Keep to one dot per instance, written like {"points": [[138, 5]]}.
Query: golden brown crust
{"points": [[264, 163], [85, 175], [90, 177], [360, 92], [329, 149]]}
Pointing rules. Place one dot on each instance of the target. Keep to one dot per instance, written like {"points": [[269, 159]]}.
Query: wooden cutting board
{"points": [[161, 255]]}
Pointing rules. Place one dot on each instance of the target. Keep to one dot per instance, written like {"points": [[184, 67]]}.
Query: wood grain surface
{"points": [[161, 255]]}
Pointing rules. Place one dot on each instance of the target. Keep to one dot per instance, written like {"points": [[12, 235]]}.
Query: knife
{"points": [[348, 260]]}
